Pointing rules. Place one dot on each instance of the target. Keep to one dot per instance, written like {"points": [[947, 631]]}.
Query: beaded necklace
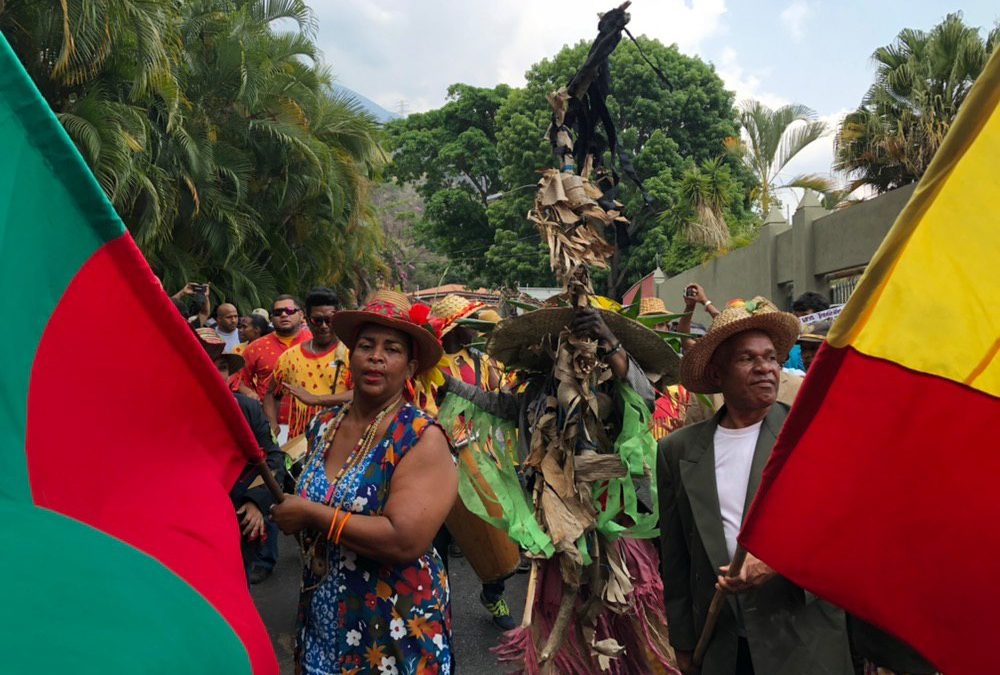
{"points": [[314, 545]]}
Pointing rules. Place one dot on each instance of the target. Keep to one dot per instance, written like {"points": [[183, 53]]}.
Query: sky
{"points": [[403, 54]]}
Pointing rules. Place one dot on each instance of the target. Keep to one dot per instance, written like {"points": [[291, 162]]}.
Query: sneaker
{"points": [[500, 611], [524, 566]]}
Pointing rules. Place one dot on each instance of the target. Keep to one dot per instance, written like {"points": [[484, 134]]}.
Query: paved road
{"points": [[474, 632]]}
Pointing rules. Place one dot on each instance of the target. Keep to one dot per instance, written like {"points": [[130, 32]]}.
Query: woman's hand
{"points": [[292, 514], [252, 521]]}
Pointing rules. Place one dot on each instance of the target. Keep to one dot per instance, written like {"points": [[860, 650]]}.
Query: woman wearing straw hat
{"points": [[375, 488], [707, 475]]}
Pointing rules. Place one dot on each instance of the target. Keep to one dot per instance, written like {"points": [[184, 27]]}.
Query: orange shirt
{"points": [[261, 357]]}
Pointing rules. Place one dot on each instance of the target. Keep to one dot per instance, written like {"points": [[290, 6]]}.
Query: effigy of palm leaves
{"points": [[584, 525]]}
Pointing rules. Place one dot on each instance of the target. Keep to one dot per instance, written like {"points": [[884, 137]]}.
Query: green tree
{"points": [[215, 136], [450, 155], [773, 138], [921, 80], [667, 130]]}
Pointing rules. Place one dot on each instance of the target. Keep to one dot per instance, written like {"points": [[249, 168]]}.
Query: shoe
{"points": [[259, 574], [524, 566], [454, 551], [500, 611]]}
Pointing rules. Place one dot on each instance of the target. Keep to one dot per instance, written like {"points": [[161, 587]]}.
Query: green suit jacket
{"points": [[790, 631]]}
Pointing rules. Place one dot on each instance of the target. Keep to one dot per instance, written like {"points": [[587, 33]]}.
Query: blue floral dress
{"points": [[365, 616]]}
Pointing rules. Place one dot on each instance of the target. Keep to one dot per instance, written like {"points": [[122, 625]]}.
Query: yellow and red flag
{"points": [[882, 492]]}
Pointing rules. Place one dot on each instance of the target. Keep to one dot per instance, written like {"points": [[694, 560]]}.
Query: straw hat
{"points": [[451, 308], [392, 309], [758, 314], [215, 345], [525, 341], [652, 306]]}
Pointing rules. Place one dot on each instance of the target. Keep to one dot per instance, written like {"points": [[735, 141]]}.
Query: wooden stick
{"points": [[529, 599], [716, 608], [272, 485]]}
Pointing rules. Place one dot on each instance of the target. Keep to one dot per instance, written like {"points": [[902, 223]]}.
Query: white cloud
{"points": [[745, 84], [794, 18], [399, 50]]}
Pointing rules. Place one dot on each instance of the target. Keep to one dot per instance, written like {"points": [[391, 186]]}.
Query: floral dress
{"points": [[365, 616]]}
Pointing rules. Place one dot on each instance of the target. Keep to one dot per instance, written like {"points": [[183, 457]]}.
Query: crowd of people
{"points": [[371, 490]]}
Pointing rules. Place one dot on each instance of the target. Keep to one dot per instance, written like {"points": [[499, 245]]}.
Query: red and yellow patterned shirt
{"points": [[313, 372], [261, 357]]}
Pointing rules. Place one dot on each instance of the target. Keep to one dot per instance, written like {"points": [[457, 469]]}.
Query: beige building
{"points": [[819, 250]]}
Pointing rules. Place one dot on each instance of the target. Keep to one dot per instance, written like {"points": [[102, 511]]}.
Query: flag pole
{"points": [[716, 608], [272, 484]]}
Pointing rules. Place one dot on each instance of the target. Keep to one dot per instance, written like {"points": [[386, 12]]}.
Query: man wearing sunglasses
{"points": [[313, 373], [262, 354]]}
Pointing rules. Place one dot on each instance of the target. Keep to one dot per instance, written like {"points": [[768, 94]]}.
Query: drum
{"points": [[295, 451], [295, 454], [490, 552]]}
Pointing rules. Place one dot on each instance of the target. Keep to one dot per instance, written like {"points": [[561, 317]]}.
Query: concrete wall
{"points": [[790, 259]]}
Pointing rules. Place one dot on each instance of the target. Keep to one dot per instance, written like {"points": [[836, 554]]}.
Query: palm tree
{"points": [[215, 136], [921, 80], [772, 139], [707, 192]]}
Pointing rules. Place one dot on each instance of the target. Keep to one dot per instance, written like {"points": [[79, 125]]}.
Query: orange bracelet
{"points": [[333, 524], [340, 530]]}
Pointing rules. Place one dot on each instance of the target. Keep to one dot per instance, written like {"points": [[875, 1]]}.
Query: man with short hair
{"points": [[262, 354], [708, 474], [227, 322], [311, 374], [809, 303]]}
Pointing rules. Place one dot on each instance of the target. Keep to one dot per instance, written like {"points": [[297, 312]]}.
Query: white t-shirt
{"points": [[733, 459], [231, 340]]}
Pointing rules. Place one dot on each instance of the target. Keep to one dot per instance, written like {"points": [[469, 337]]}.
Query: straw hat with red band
{"points": [[215, 345], [758, 314], [452, 308], [393, 310]]}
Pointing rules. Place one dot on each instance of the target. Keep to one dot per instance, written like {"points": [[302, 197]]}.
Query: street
{"points": [[474, 632]]}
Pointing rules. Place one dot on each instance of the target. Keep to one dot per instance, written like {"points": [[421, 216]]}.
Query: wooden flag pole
{"points": [[716, 608], [272, 485]]}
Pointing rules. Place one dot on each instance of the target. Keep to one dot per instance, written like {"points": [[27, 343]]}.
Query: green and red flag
{"points": [[881, 493], [119, 441]]}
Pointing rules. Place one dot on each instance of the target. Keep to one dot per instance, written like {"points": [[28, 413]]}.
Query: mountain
{"points": [[370, 106]]}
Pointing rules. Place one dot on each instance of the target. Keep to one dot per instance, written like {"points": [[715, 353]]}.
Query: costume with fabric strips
{"points": [[618, 604]]}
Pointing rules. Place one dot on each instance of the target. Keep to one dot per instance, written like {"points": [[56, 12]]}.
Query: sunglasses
{"points": [[321, 320], [284, 311]]}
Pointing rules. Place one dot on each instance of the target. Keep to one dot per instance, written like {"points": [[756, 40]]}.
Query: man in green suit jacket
{"points": [[708, 475]]}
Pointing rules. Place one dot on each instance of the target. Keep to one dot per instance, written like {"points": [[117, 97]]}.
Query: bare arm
{"points": [[271, 410], [323, 400], [422, 492]]}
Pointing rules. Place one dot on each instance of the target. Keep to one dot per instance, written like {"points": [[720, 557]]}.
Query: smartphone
{"points": [[199, 288], [691, 292]]}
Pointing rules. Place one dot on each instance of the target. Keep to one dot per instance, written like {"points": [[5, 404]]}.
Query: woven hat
{"points": [[758, 314], [451, 308], [392, 309], [215, 345], [652, 306], [527, 340]]}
